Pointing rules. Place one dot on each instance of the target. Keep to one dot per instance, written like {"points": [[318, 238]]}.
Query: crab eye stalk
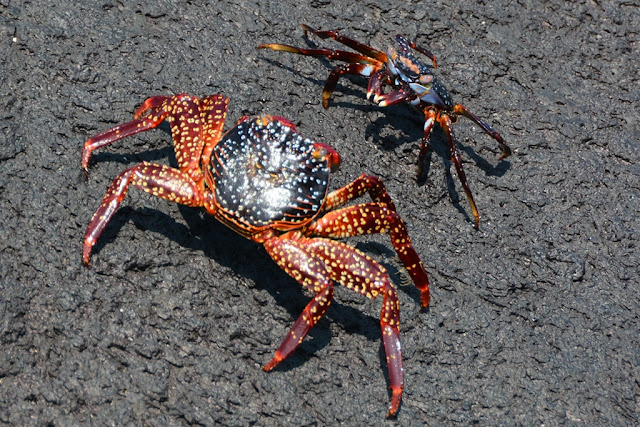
{"points": [[326, 151]]}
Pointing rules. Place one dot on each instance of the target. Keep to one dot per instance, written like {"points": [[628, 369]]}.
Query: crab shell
{"points": [[267, 176]]}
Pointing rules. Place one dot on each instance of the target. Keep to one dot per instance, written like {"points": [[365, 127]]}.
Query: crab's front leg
{"points": [[160, 180]]}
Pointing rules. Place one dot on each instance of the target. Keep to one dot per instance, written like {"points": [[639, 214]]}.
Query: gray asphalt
{"points": [[534, 318]]}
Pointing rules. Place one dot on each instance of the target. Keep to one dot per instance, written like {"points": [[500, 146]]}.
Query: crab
{"points": [[266, 182], [410, 80]]}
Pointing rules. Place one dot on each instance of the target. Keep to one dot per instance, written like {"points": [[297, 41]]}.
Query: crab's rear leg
{"points": [[360, 273], [375, 218], [445, 123], [160, 180], [462, 110], [347, 41]]}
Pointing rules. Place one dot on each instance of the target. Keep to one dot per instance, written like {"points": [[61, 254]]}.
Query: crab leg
{"points": [[461, 109], [337, 54], [347, 41], [294, 258], [160, 180], [358, 187], [445, 123], [375, 218], [314, 262], [360, 273], [364, 70], [429, 119]]}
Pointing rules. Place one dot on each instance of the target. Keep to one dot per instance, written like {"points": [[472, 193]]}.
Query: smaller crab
{"points": [[269, 184], [410, 79]]}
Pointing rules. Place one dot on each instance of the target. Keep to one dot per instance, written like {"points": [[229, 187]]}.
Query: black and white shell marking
{"points": [[265, 174]]}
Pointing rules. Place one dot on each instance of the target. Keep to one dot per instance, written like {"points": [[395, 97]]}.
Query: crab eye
{"points": [[426, 79], [326, 151]]}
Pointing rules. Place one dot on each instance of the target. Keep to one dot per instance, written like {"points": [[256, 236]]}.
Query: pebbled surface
{"points": [[534, 319]]}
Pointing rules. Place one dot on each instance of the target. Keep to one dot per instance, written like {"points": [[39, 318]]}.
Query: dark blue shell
{"points": [[399, 68], [266, 175]]}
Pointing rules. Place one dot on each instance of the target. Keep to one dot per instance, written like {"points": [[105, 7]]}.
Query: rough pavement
{"points": [[534, 318]]}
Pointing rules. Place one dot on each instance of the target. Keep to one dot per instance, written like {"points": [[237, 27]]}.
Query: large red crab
{"points": [[269, 184], [410, 80]]}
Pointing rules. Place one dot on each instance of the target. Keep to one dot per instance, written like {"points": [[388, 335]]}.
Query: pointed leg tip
{"points": [[424, 300], [395, 403], [272, 363]]}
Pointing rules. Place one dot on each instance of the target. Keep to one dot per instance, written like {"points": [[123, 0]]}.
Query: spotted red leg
{"points": [[371, 218], [363, 184], [375, 218], [160, 180], [295, 258], [314, 262], [358, 272]]}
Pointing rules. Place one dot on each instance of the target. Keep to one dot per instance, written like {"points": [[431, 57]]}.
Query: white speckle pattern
{"points": [[265, 173]]}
